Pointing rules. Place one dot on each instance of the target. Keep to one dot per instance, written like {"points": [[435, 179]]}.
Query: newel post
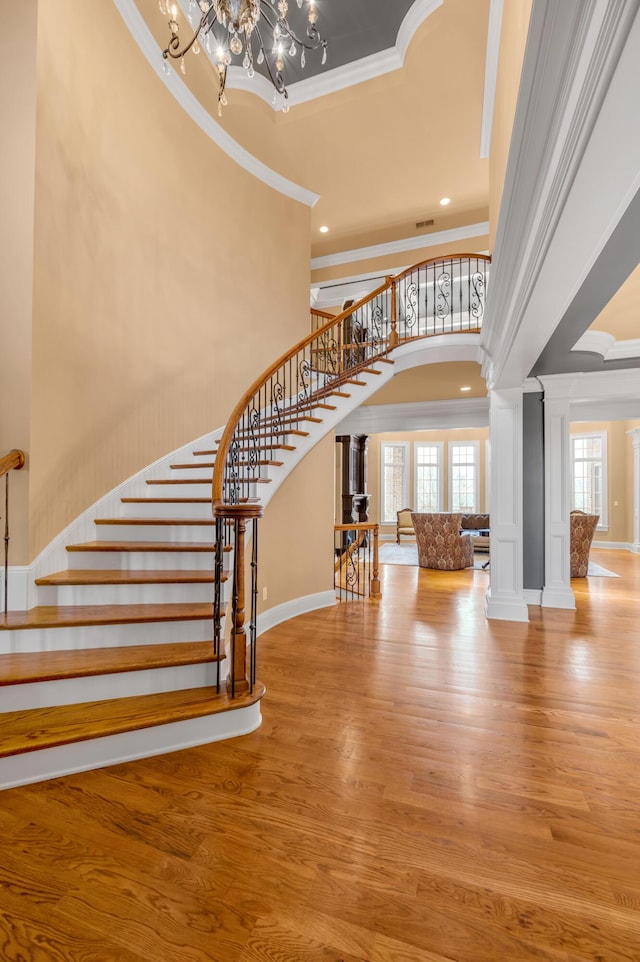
{"points": [[393, 335], [240, 679], [375, 579]]}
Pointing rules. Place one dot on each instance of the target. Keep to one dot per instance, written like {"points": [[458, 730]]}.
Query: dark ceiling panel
{"points": [[353, 28]]}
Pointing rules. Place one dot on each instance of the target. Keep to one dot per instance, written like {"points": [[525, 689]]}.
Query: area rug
{"points": [[406, 553]]}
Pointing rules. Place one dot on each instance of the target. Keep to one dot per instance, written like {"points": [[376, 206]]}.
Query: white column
{"points": [[557, 592], [505, 597], [635, 437]]}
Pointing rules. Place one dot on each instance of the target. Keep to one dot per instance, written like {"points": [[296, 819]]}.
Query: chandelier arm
{"points": [[275, 76], [314, 39], [173, 47]]}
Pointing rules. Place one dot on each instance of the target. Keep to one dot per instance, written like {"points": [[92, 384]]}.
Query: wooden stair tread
{"points": [[206, 481], [193, 464], [203, 546], [115, 576], [277, 445], [27, 731], [73, 616], [155, 521], [24, 668], [166, 500]]}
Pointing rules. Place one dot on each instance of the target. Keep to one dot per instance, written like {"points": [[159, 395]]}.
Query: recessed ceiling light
{"points": [[445, 201], [465, 388], [324, 229]]}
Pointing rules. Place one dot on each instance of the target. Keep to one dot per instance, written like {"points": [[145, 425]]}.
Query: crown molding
{"points": [[491, 75], [417, 416], [147, 44], [592, 385], [605, 344], [400, 246], [567, 118]]}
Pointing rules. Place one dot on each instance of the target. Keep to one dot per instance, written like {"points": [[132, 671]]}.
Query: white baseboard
{"points": [[532, 596], [619, 545], [291, 609], [507, 609], [560, 597]]}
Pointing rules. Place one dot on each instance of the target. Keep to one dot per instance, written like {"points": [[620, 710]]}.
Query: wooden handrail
{"points": [[12, 461], [440, 260]]}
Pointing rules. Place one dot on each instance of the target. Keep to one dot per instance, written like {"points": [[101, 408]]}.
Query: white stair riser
{"points": [[196, 489], [192, 474], [143, 560], [115, 749], [74, 691], [153, 509], [154, 594], [180, 533], [105, 636]]}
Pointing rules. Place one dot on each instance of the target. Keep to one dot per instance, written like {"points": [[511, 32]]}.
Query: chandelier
{"points": [[256, 30]]}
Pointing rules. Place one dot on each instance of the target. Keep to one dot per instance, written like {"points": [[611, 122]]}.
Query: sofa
{"points": [[477, 526], [440, 544]]}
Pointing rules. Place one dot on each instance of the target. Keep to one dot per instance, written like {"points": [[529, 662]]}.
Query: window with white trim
{"points": [[394, 487], [589, 475], [463, 477], [428, 475]]}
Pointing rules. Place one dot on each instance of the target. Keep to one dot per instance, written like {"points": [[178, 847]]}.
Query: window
{"points": [[395, 479], [428, 476], [589, 475], [463, 477]]}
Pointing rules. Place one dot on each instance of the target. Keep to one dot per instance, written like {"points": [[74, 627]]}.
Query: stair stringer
{"points": [[23, 592]]}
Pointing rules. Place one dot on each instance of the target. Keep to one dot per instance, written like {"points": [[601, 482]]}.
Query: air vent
{"points": [[424, 223]]}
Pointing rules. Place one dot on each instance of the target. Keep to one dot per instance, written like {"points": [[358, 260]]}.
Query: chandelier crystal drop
{"points": [[256, 31]]}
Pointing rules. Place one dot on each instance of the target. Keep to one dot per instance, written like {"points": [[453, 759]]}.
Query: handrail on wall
{"points": [[13, 461]]}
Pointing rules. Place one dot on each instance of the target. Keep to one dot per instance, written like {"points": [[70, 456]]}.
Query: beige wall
{"points": [[296, 533], [446, 437], [17, 174], [515, 23], [165, 278], [619, 477]]}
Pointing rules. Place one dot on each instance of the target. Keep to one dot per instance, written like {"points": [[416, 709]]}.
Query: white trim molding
{"points": [[635, 439], [558, 212], [192, 106], [606, 345], [557, 592], [491, 75], [505, 598], [291, 609], [450, 236], [417, 416]]}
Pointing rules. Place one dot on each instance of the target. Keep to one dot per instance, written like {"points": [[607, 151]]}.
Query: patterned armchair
{"points": [[583, 527], [440, 544]]}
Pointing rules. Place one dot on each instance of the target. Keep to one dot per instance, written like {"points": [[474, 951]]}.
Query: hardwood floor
{"points": [[426, 786]]}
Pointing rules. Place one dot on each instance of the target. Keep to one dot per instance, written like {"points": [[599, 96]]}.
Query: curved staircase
{"points": [[119, 657]]}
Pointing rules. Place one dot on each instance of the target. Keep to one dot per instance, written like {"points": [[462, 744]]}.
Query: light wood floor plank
{"points": [[426, 786]]}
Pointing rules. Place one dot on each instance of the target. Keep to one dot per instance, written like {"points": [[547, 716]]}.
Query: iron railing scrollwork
{"points": [[356, 566], [438, 296]]}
